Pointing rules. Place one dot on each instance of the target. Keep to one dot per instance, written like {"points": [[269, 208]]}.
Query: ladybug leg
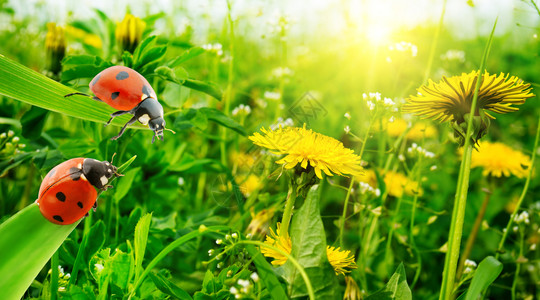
{"points": [[73, 94], [131, 121], [116, 114]]}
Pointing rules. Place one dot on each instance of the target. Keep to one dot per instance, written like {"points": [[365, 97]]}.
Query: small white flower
{"points": [[219, 241], [22, 145], [219, 265], [234, 235], [391, 120], [233, 290], [10, 133], [67, 276], [370, 105], [377, 192], [249, 236], [515, 228], [227, 237], [244, 283], [532, 247], [347, 129], [388, 102], [433, 168], [181, 181], [3, 135], [254, 276], [99, 267], [470, 263], [272, 95], [62, 289], [16, 139], [401, 157], [347, 116], [210, 252], [467, 270]]}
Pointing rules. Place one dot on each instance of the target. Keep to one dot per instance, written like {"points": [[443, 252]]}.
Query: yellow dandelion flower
{"points": [[369, 177], [341, 261], [55, 44], [499, 160], [259, 222], [129, 32], [243, 160], [451, 98], [418, 131], [398, 184], [305, 147], [86, 37], [248, 185]]}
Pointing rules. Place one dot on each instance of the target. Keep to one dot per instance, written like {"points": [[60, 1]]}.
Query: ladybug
{"points": [[68, 191], [128, 91]]}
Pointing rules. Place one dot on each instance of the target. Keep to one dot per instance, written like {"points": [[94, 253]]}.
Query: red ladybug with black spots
{"points": [[71, 188], [128, 91]]}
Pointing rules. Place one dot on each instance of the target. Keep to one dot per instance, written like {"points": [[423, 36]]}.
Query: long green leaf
{"points": [[396, 288], [27, 242], [488, 270], [141, 238], [26, 85]]}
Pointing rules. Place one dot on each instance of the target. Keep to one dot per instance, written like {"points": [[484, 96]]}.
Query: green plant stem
{"points": [[289, 258], [228, 95], [345, 205], [472, 235], [518, 264], [287, 213], [460, 202], [523, 193], [54, 276]]}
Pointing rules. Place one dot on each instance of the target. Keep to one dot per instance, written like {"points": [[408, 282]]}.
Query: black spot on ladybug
{"points": [[96, 79], [79, 204], [51, 173], [122, 75], [60, 196], [146, 90], [75, 173], [115, 95], [58, 218]]}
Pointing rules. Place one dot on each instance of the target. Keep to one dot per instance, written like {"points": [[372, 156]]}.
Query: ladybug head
{"points": [[157, 125], [98, 172]]}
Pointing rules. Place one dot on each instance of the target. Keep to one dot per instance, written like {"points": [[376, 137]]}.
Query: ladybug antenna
{"points": [[170, 130], [112, 158]]}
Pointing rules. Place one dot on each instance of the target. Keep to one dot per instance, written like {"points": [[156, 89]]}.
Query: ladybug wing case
{"points": [[67, 201]]}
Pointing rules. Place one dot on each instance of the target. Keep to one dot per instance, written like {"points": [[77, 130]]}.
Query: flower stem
{"points": [[345, 205], [227, 97], [287, 214], [460, 202]]}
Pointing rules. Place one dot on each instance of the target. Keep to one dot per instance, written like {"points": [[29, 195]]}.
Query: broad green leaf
{"points": [[169, 288], [266, 274], [396, 288], [32, 122], [21, 83], [488, 270], [309, 249], [83, 66], [27, 241], [205, 87], [187, 55], [107, 268], [141, 238]]}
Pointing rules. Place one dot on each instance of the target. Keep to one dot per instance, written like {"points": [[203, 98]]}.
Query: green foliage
{"points": [[396, 288]]}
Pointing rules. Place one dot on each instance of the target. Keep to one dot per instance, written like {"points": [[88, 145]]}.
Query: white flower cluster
{"points": [[216, 48], [374, 99], [280, 23], [282, 123], [522, 218], [280, 72], [470, 265], [272, 95], [366, 188], [12, 146], [417, 150], [242, 110], [454, 55], [244, 286], [404, 47]]}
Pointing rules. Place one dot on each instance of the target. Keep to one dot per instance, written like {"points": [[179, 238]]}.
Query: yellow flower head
{"points": [[451, 98], [129, 32], [303, 146], [86, 37], [352, 291], [341, 261], [259, 222], [248, 184], [397, 184], [55, 40], [418, 131], [499, 160]]}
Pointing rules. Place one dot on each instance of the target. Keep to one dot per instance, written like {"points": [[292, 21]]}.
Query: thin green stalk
{"points": [[434, 44], [228, 95], [289, 258], [518, 264], [460, 202], [523, 193], [54, 276], [287, 213], [344, 215]]}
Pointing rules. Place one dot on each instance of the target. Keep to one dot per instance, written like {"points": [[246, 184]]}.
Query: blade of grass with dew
{"points": [[26, 85], [460, 202], [27, 242]]}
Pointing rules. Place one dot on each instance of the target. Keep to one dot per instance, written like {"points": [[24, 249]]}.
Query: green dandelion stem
{"points": [[523, 193], [460, 202], [287, 213], [289, 257], [345, 205]]}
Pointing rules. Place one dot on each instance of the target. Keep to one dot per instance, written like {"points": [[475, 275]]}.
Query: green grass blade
{"points": [[27, 242], [26, 85], [141, 238]]}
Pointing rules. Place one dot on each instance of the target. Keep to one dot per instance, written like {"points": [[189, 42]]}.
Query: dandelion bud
{"points": [[129, 32], [55, 45]]}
